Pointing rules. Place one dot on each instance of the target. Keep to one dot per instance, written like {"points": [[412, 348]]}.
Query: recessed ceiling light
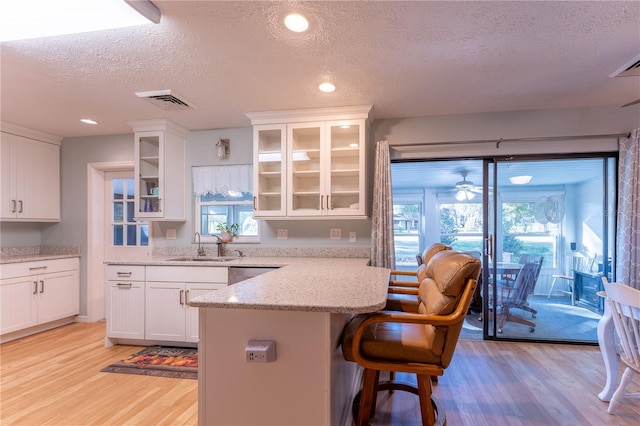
{"points": [[88, 121], [327, 87], [296, 22], [520, 180]]}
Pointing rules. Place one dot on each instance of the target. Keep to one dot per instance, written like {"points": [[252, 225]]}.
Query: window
{"points": [[214, 209], [224, 195], [406, 233], [125, 231], [523, 233], [461, 225]]}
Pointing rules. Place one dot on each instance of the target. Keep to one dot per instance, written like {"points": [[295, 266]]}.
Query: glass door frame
{"points": [[490, 225]]}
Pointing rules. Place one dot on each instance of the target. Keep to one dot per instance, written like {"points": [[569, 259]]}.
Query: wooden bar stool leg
{"points": [[367, 395], [426, 408]]}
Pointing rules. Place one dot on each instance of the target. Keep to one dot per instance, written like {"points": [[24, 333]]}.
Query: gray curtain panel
{"points": [[382, 247], [628, 232]]}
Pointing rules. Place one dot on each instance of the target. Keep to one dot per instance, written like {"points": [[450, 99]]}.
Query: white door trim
{"points": [[95, 236]]}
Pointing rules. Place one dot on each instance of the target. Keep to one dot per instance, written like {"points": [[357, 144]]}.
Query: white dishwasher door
{"points": [[241, 273]]}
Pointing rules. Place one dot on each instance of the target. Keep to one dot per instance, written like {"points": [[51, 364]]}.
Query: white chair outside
{"points": [[624, 302], [579, 263]]}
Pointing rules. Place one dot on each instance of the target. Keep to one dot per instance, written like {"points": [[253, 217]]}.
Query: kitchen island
{"points": [[303, 308]]}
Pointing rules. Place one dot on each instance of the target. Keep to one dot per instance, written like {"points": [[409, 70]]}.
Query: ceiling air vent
{"points": [[631, 68], [165, 100]]}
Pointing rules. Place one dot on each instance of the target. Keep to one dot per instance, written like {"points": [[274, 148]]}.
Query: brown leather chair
{"points": [[421, 343], [403, 294]]}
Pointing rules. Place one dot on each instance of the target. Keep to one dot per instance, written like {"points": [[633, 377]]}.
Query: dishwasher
{"points": [[241, 273]]}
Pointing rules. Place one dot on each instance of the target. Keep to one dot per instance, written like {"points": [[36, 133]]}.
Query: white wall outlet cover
{"points": [[171, 234], [352, 237], [335, 234], [282, 234]]}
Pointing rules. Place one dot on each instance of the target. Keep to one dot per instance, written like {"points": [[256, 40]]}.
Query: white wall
{"points": [[508, 125]]}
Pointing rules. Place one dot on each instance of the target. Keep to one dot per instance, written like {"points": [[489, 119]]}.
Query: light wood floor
{"points": [[54, 378]]}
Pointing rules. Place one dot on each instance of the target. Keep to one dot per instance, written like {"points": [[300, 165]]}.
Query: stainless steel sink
{"points": [[201, 259]]}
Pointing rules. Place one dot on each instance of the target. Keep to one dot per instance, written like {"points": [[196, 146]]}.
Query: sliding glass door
{"points": [[551, 243], [541, 225]]}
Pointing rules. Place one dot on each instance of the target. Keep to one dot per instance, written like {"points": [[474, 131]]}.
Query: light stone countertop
{"points": [[305, 284]]}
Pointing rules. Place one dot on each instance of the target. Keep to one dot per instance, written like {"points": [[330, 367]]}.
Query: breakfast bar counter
{"points": [[301, 307]]}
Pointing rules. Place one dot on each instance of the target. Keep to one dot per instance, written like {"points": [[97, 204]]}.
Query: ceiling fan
{"points": [[465, 189]]}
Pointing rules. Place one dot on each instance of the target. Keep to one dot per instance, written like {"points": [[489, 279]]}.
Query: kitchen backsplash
{"points": [[230, 250]]}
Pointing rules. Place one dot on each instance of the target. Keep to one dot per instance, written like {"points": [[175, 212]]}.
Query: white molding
{"points": [[95, 295], [158, 124], [311, 114], [14, 129]]}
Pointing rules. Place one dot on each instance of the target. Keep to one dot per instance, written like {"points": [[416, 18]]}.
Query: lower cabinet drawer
{"points": [[125, 272]]}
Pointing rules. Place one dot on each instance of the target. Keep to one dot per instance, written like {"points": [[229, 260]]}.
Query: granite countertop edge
{"points": [[34, 258]]}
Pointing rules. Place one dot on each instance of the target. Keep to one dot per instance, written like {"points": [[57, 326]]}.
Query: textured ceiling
{"points": [[406, 58]]}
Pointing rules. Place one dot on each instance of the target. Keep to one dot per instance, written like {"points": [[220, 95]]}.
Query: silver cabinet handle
{"points": [[124, 274], [124, 285], [328, 203], [35, 287], [181, 294], [322, 202], [255, 199], [13, 209], [41, 286], [20, 210], [186, 296]]}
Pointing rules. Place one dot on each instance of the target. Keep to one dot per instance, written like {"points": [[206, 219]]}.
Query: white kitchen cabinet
{"points": [[168, 288], [30, 172], [34, 294], [310, 163], [160, 170], [125, 301]]}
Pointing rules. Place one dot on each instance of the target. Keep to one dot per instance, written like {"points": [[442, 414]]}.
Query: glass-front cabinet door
{"points": [[306, 162], [269, 175], [149, 174], [345, 168]]}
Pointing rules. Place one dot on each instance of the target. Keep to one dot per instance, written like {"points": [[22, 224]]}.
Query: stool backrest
{"points": [[427, 255], [448, 275]]}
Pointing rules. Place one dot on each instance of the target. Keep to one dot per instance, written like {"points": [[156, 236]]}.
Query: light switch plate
{"points": [[335, 234], [352, 237], [283, 234]]}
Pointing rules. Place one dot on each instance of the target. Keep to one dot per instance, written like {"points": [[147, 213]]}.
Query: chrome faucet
{"points": [[201, 251], [219, 242]]}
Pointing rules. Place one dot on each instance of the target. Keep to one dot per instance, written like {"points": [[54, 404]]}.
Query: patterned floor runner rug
{"points": [[162, 361]]}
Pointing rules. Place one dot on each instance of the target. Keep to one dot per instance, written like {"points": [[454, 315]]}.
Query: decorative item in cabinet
{"points": [[160, 152]]}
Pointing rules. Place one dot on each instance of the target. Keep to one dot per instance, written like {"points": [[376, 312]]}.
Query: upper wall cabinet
{"points": [[30, 173], [310, 163], [160, 170]]}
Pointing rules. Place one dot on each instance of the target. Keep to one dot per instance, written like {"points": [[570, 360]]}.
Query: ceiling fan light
{"points": [[520, 180], [464, 195]]}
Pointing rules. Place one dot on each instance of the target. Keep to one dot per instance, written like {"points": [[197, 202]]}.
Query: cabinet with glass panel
{"points": [[160, 156], [323, 168]]}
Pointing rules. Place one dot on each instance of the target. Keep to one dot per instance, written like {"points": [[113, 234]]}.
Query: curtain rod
{"points": [[501, 140]]}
